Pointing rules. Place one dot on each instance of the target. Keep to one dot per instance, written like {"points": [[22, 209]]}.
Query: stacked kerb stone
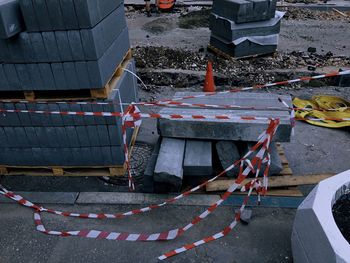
{"points": [[64, 47], [243, 28]]}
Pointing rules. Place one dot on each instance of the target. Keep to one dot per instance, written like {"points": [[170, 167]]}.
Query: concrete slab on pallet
{"points": [[3, 79], [50, 46], [70, 75], [56, 16], [169, 166], [228, 153], [29, 16], [42, 15], [69, 14], [148, 181], [11, 21], [63, 46], [46, 75], [198, 158], [38, 47], [76, 45], [244, 11], [229, 30], [12, 77], [72, 136], [59, 77]]}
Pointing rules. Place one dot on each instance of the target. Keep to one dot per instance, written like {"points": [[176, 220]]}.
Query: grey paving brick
{"points": [[82, 73], [56, 119], [98, 119], [59, 76], [47, 76], [38, 47], [229, 30], [69, 14], [4, 85], [63, 46], [3, 138], [117, 153], [67, 119], [45, 118], [198, 158], [62, 137], [29, 16], [23, 117], [88, 120], [12, 77], [170, 161], [33, 139], [93, 136], [11, 21], [35, 76], [10, 135], [106, 155], [55, 13], [51, 46], [72, 136], [76, 45], [244, 49], [115, 135], [43, 137], [4, 51], [103, 135], [12, 119], [228, 153], [53, 137], [109, 119], [24, 77], [70, 75], [26, 46], [21, 137], [83, 136], [42, 15], [148, 181], [78, 120], [15, 49]]}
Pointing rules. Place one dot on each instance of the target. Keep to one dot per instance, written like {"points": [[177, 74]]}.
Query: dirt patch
{"points": [[341, 213], [160, 26], [195, 19], [293, 13]]}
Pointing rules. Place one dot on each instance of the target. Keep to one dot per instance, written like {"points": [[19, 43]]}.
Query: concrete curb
{"points": [[114, 198]]}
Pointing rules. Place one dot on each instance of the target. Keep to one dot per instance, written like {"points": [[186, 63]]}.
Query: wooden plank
{"points": [[293, 191], [277, 181]]}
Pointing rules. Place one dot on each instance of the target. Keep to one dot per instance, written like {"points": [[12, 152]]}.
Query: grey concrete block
{"points": [[244, 11], [56, 119], [198, 158], [244, 49], [4, 85], [47, 76], [42, 135], [24, 77], [29, 16], [3, 139], [88, 120], [12, 119], [170, 161], [72, 136], [25, 43], [4, 51], [63, 46], [10, 135], [12, 76], [38, 47], [228, 30], [93, 136], [115, 135], [117, 154], [82, 73], [103, 135], [76, 45], [106, 155], [62, 137], [59, 76], [23, 117], [100, 71], [42, 15], [228, 153], [51, 47], [83, 136], [148, 181], [99, 120], [15, 49], [35, 76], [55, 13], [69, 14], [11, 21], [44, 118], [70, 75], [78, 120], [33, 139], [20, 137], [67, 119]]}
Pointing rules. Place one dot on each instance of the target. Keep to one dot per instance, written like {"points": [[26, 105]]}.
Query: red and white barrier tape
{"points": [[264, 142]]}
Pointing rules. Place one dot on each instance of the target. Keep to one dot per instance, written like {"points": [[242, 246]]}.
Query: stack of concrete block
{"points": [[242, 28], [188, 146], [67, 45]]}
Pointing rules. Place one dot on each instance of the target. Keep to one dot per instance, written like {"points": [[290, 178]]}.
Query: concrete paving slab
{"points": [[51, 46], [12, 118], [24, 77], [169, 167], [35, 76], [56, 119], [46, 197], [12, 76], [23, 117], [83, 136], [33, 139], [76, 46], [38, 47], [63, 46], [29, 16], [42, 15], [228, 153], [72, 136], [148, 181], [11, 21], [70, 75], [3, 138], [46, 75], [69, 14], [198, 158], [55, 13], [88, 120], [103, 135], [59, 77], [82, 73], [3, 79]]}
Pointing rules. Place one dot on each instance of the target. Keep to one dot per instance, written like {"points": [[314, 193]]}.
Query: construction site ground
{"points": [[171, 57]]}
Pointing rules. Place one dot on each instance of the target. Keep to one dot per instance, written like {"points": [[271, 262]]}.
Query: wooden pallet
{"points": [[64, 95], [286, 169], [117, 170], [223, 54]]}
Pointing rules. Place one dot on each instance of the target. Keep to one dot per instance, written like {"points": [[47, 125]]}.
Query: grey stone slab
{"points": [[33, 139], [51, 46], [244, 11], [23, 117], [78, 119], [38, 47], [24, 77], [115, 135], [67, 119], [46, 197], [4, 85], [55, 13], [148, 181], [3, 138], [82, 73], [88, 120], [4, 51], [106, 155], [228, 153], [11, 21], [69, 14], [10, 135], [219, 129], [59, 76], [12, 119], [103, 135], [228, 30], [83, 136], [70, 75], [56, 119], [15, 49], [20, 137], [29, 16], [244, 49], [100, 120], [45, 118], [42, 15], [76, 45], [47, 76], [93, 136], [62, 137], [63, 46], [117, 153], [198, 158], [72, 136], [35, 76], [12, 77], [100, 71], [170, 161]]}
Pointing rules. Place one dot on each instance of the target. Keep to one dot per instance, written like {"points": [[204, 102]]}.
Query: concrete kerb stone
{"points": [[46, 197]]}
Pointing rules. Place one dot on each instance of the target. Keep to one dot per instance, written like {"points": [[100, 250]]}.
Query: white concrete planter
{"points": [[316, 237]]}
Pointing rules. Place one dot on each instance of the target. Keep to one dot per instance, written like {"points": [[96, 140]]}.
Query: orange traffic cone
{"points": [[209, 85]]}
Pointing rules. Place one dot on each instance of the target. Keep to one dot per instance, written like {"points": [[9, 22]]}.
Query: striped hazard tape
{"points": [[261, 147]]}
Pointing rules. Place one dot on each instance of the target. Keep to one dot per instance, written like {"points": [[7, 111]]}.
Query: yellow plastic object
{"points": [[329, 108]]}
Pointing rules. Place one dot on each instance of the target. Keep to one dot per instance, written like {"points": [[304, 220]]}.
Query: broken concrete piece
{"points": [[148, 182], [11, 21], [245, 216], [198, 158], [169, 163], [228, 153]]}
